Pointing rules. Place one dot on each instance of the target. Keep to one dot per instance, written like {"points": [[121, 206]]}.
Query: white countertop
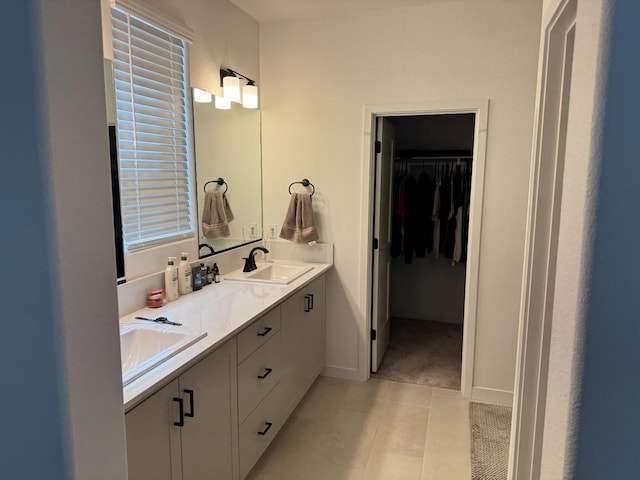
{"points": [[221, 310]]}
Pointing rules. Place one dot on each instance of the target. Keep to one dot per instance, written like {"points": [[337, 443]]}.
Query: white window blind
{"points": [[153, 132]]}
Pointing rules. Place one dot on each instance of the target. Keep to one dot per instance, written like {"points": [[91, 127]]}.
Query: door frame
{"points": [[538, 279], [481, 110]]}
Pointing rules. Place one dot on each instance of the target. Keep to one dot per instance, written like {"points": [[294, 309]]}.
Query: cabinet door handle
{"points": [[307, 308], [181, 405], [311, 295], [191, 402], [266, 330], [265, 374], [268, 426]]}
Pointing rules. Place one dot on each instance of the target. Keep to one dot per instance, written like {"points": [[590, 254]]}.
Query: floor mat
{"points": [[490, 430]]}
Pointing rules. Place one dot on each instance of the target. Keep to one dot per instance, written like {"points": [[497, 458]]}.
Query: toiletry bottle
{"points": [[203, 272], [209, 275], [171, 280], [184, 275], [196, 277], [216, 273]]}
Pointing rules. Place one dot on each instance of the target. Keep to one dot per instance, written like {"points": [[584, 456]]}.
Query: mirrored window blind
{"points": [[150, 77]]}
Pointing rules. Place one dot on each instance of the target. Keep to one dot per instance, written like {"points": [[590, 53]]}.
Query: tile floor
{"points": [[378, 430]]}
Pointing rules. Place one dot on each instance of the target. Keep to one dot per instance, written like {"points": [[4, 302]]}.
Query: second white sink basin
{"points": [[143, 347], [271, 273]]}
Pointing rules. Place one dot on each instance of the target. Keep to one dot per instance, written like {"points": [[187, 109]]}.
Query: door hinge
{"points": [[375, 243], [374, 334], [378, 146]]}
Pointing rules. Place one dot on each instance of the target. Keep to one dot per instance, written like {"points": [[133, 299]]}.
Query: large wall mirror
{"points": [[227, 148], [227, 145]]}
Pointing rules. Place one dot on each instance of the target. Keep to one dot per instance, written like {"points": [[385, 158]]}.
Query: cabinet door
{"points": [[293, 336], [315, 328], [210, 437], [153, 441]]}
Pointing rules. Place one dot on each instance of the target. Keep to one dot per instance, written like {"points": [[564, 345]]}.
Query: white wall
{"points": [[427, 289], [318, 75]]}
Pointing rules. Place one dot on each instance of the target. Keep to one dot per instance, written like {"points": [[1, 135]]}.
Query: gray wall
{"points": [[62, 396]]}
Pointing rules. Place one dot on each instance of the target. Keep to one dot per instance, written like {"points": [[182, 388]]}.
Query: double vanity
{"points": [[205, 398]]}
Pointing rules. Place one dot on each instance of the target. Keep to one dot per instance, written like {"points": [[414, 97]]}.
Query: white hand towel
{"points": [[216, 215], [299, 225]]}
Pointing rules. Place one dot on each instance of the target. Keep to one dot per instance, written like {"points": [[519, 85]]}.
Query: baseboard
{"points": [[492, 395], [343, 373]]}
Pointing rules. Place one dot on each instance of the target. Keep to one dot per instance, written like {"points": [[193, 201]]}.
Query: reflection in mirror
{"points": [[227, 149], [110, 97]]}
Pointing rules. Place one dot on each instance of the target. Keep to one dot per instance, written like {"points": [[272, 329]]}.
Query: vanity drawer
{"points": [[258, 333], [259, 429], [257, 376]]}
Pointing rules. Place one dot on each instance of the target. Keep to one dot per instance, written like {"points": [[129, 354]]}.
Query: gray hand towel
{"points": [[298, 225], [216, 215]]}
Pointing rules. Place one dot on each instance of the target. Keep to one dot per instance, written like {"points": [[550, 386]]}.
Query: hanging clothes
{"points": [[443, 215], [465, 213], [424, 208], [431, 214], [459, 200], [410, 218], [397, 216], [435, 219]]}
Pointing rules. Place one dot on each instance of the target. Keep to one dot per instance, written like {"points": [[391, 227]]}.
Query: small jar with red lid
{"points": [[155, 298]]}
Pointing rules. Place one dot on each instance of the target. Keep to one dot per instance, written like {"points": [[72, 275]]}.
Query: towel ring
{"points": [[220, 181], [305, 183]]}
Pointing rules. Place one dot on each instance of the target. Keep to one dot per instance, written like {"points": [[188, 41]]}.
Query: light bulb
{"points": [[222, 103], [250, 96], [201, 96], [231, 88]]}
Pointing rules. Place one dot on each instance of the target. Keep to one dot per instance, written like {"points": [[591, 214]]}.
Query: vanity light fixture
{"points": [[222, 103], [201, 96], [230, 81]]}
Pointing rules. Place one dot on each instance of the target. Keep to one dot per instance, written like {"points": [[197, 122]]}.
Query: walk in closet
{"points": [[430, 193]]}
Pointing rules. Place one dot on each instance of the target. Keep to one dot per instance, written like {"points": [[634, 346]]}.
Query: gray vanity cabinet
{"points": [[303, 342], [205, 446]]}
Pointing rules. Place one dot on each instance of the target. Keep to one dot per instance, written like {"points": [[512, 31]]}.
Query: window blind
{"points": [[153, 132]]}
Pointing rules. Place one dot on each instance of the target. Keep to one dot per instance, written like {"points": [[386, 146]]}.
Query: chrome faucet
{"points": [[250, 261]]}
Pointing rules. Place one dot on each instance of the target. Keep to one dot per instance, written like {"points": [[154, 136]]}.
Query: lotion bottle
{"points": [[184, 275], [216, 273], [171, 280]]}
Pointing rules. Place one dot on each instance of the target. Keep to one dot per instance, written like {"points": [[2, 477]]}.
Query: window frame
{"points": [[149, 257]]}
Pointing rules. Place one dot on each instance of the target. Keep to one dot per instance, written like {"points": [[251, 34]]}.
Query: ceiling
{"points": [[275, 10]]}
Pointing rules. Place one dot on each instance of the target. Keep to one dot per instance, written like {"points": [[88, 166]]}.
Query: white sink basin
{"points": [[270, 273], [143, 347]]}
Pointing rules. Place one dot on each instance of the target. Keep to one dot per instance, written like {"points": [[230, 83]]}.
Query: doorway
{"points": [[379, 311], [421, 212]]}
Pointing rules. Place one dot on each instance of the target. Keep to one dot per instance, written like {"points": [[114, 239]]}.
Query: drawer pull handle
{"points": [[311, 296], [265, 374], [191, 402], [180, 423], [264, 432], [307, 307], [266, 330]]}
